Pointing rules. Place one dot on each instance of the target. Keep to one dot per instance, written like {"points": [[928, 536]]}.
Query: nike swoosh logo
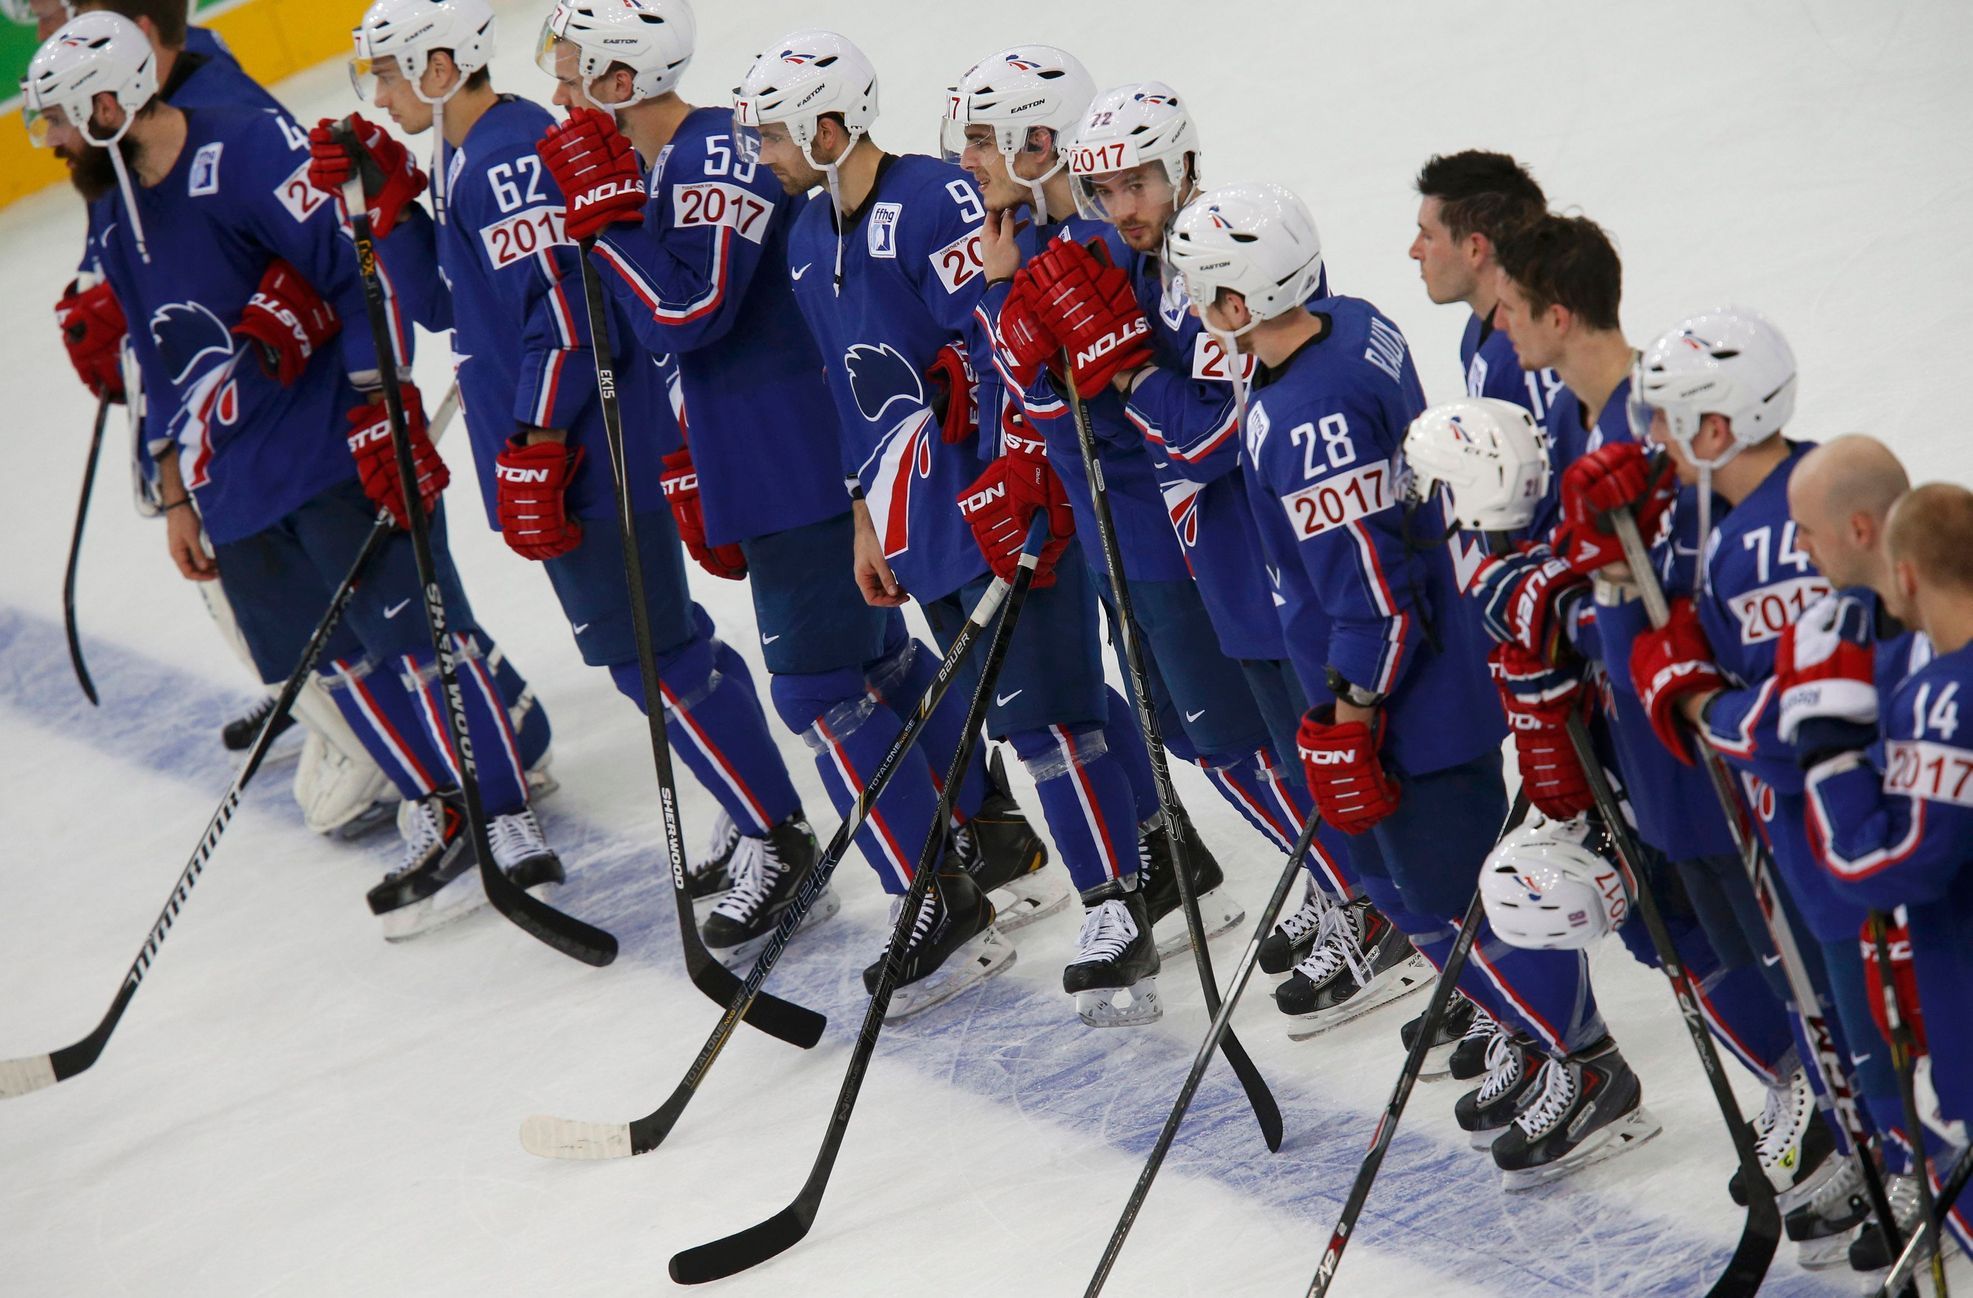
{"points": [[396, 608], [1770, 960], [1194, 716], [580, 627], [797, 274], [1002, 700], [769, 639]]}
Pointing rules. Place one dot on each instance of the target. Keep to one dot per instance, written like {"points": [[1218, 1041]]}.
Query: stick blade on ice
{"points": [[548, 1137], [744, 1249], [23, 1076]]}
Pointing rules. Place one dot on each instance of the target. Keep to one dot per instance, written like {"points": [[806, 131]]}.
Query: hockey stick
{"points": [[788, 1227], [1904, 1063], [1927, 1234], [552, 1137], [795, 1024], [1414, 1063], [1761, 871], [75, 553], [19, 1076], [565, 933], [1242, 973], [1266, 1111]]}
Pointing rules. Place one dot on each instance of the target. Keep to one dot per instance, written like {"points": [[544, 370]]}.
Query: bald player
{"points": [[1899, 831], [1841, 498]]}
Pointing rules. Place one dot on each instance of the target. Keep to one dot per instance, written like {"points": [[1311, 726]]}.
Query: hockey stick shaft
{"points": [[75, 553], [1929, 1230], [570, 936], [757, 1243], [1266, 1111], [1761, 871], [792, 1023], [1243, 973], [1904, 1063]]}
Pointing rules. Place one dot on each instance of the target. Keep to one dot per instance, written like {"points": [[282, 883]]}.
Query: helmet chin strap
{"points": [[438, 136], [113, 145], [1707, 467], [832, 177]]}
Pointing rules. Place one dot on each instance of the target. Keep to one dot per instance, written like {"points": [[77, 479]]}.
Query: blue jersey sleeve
{"points": [[1184, 403]]}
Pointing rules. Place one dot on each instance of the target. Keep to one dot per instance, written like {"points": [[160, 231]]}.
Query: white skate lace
{"points": [[725, 837], [1783, 1119], [1481, 1026], [753, 871], [516, 837], [1503, 1068], [1558, 1095], [1308, 919], [1107, 932], [921, 927], [418, 823], [1832, 1199]]}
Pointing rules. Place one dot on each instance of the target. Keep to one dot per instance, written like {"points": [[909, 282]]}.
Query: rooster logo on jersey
{"points": [[879, 376], [186, 333]]}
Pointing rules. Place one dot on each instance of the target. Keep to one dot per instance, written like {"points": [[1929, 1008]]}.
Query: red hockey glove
{"points": [[1622, 475], [92, 330], [1670, 663], [376, 459], [532, 483], [597, 170], [1527, 598], [1345, 775], [955, 393], [286, 320], [391, 180], [1904, 983], [1539, 700], [1091, 308], [681, 484], [1025, 341], [1825, 664], [1001, 504]]}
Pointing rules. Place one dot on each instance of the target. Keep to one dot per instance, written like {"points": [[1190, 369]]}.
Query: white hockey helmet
{"points": [[409, 30], [1015, 91], [1128, 127], [1545, 888], [95, 54], [802, 77], [1727, 361], [653, 38], [1489, 454], [1256, 239]]}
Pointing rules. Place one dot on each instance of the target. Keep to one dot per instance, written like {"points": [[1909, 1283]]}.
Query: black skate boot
{"points": [[1114, 976], [522, 854], [766, 874], [1823, 1228], [1588, 1106], [1871, 1254], [1469, 1057], [953, 944], [711, 874], [1218, 911], [1794, 1144], [1005, 857], [435, 883], [1359, 962], [1489, 1109], [1446, 1037], [1294, 937], [238, 733]]}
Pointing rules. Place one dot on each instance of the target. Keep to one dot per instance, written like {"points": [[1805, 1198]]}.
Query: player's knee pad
{"points": [[837, 699], [1054, 752], [888, 674], [688, 674]]}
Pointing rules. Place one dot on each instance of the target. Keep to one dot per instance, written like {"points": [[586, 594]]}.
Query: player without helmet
{"points": [[1135, 160]]}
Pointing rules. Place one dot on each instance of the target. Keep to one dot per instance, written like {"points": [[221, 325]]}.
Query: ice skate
{"points": [[435, 883], [1294, 937], [1870, 1253], [1359, 963], [1452, 1029], [522, 854], [1488, 1110], [711, 873], [952, 945], [1587, 1107], [1823, 1227], [1218, 911], [238, 734], [766, 873], [1005, 857], [1793, 1143], [1469, 1057], [1114, 976]]}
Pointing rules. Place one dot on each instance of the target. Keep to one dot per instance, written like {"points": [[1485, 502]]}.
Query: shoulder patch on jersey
{"points": [[1341, 500], [1257, 426], [522, 235], [299, 196], [959, 261], [1209, 360], [658, 168], [1173, 304], [880, 376], [883, 229], [718, 203], [205, 170], [454, 169]]}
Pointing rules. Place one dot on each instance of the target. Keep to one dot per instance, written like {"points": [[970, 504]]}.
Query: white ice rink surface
{"points": [[292, 1107]]}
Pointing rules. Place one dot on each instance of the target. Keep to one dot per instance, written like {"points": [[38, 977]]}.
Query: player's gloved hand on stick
{"points": [[532, 481], [376, 458], [1001, 504], [391, 179], [955, 392], [681, 484], [1528, 598], [1345, 773], [1539, 700], [1091, 308], [1622, 475], [92, 326], [1904, 982], [597, 171], [1825, 664], [1026, 342], [286, 320], [1669, 664]]}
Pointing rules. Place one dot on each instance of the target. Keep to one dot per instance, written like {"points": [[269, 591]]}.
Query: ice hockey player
{"points": [[700, 269], [1893, 830], [520, 324], [209, 230], [887, 274], [1135, 161], [1403, 750]]}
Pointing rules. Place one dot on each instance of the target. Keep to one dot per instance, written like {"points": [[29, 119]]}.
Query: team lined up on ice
{"points": [[878, 360]]}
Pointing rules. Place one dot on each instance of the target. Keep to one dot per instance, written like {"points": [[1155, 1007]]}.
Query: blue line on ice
{"points": [[1429, 1192]]}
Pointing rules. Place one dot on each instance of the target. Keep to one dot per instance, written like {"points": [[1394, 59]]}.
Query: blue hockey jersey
{"points": [[705, 278], [911, 277], [1322, 442]]}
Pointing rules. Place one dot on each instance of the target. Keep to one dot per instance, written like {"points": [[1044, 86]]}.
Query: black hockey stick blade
{"points": [[795, 1024], [75, 555], [1760, 1235], [747, 1248]]}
